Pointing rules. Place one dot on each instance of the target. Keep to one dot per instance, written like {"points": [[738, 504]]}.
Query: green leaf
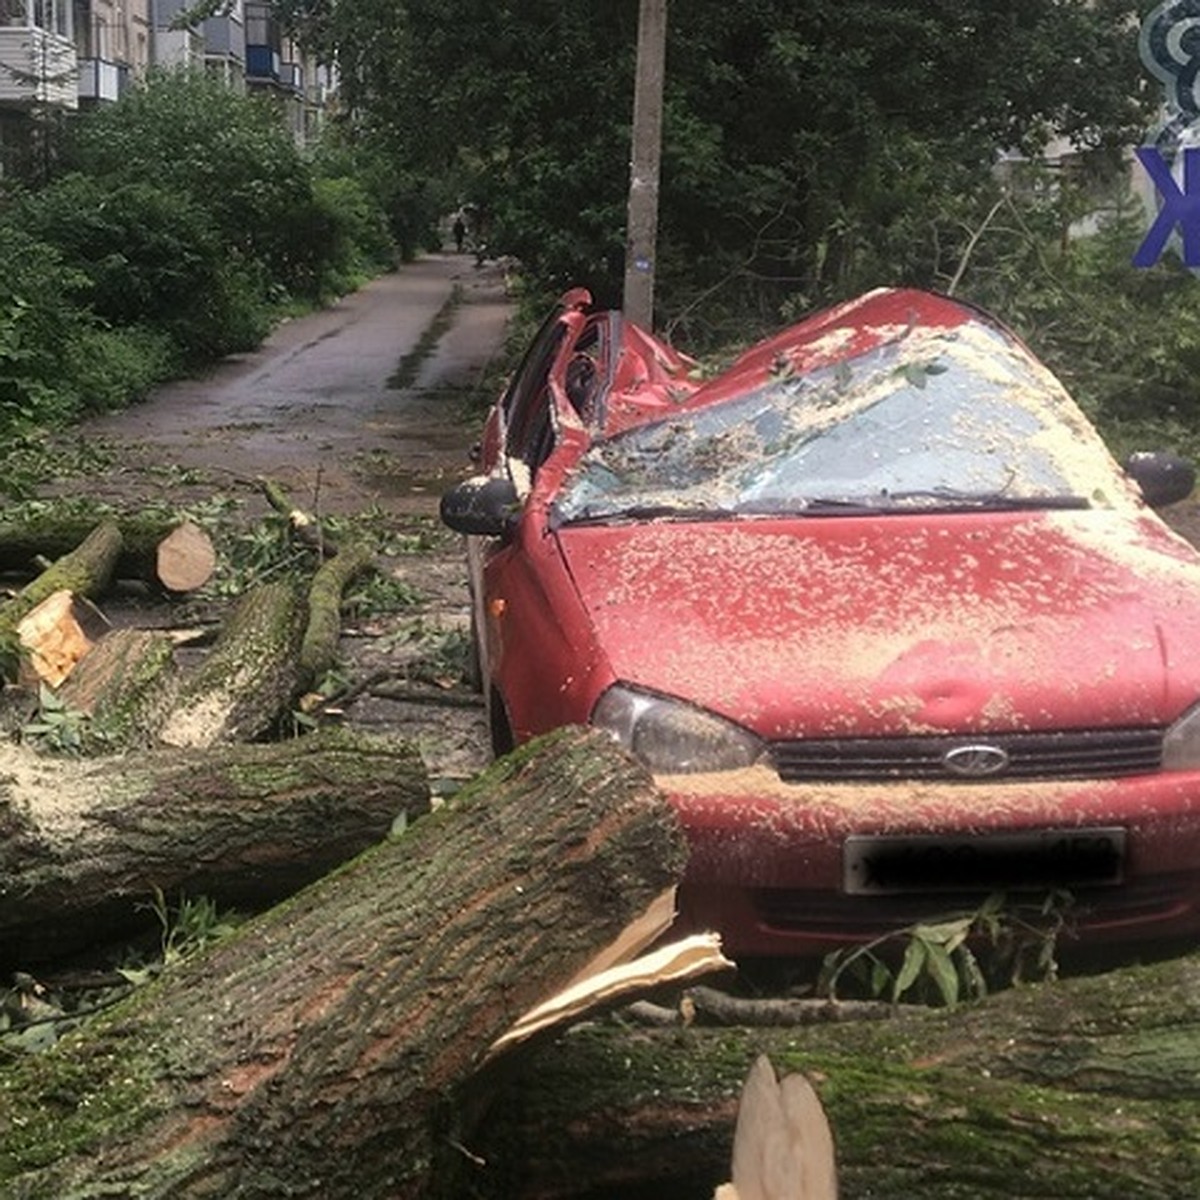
{"points": [[941, 968], [881, 977], [910, 969], [948, 934]]}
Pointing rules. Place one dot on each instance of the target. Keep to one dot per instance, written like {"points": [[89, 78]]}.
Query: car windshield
{"points": [[959, 418]]}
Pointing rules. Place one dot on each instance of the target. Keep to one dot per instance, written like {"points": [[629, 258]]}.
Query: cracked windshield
{"points": [[935, 419]]}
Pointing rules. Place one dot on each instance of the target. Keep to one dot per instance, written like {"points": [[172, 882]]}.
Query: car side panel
{"points": [[541, 650]]}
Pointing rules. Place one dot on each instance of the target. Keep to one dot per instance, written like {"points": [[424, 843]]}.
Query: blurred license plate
{"points": [[1048, 858]]}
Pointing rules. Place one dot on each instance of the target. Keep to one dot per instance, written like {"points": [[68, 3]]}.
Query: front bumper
{"points": [[766, 862]]}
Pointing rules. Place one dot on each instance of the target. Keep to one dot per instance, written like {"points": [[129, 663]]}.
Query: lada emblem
{"points": [[975, 761]]}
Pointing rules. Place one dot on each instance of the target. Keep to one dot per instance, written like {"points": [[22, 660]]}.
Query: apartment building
{"points": [[57, 56], [113, 40], [38, 65], [279, 68]]}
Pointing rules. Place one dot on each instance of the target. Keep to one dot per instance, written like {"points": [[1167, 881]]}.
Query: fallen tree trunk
{"points": [[337, 1047], [318, 1051], [1084, 1089], [83, 845], [249, 678], [32, 536], [124, 685]]}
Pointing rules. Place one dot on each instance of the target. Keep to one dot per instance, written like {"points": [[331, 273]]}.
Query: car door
{"points": [[528, 616]]}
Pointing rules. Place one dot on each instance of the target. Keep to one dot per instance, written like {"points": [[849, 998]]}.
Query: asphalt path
{"points": [[356, 404]]}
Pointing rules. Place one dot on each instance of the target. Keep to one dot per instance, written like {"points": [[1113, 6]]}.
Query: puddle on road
{"points": [[378, 477]]}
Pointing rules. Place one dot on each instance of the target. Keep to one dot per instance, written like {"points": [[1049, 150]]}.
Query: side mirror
{"points": [[485, 505], [1164, 478]]}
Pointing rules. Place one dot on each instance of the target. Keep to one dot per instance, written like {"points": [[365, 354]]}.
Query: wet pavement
{"points": [[333, 406]]}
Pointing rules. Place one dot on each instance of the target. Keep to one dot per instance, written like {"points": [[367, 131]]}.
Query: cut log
{"points": [[185, 559], [318, 1051], [84, 571], [250, 677], [54, 635], [28, 536], [83, 844], [1082, 1089]]}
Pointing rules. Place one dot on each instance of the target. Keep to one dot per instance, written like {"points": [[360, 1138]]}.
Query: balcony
{"points": [[101, 80], [37, 67], [291, 75], [262, 64], [179, 48]]}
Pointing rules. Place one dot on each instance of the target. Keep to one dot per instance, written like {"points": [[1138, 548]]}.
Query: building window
{"points": [[51, 15], [261, 27], [14, 12]]}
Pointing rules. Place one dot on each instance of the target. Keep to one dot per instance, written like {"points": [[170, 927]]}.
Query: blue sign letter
{"points": [[1179, 207]]}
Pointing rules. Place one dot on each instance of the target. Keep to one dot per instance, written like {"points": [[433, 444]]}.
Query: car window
{"points": [[527, 399], [584, 375], [935, 418]]}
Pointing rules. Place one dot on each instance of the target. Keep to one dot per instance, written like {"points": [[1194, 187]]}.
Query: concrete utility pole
{"points": [[642, 226]]}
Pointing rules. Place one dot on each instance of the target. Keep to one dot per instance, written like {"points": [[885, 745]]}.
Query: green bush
{"points": [[410, 205], [41, 323], [360, 244], [228, 154], [151, 258], [113, 368]]}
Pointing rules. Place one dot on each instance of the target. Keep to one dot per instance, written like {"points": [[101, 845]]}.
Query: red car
{"points": [[875, 606]]}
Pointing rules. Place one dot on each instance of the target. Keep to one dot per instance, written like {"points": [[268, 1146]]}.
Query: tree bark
{"points": [[318, 650], [84, 844], [1083, 1089], [124, 685], [31, 536], [250, 676], [321, 1050]]}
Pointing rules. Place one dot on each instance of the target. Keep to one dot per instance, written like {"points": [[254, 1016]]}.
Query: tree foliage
{"points": [[189, 134], [150, 257], [809, 149]]}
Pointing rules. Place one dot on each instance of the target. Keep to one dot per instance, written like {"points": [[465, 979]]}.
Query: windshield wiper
{"points": [[883, 504], [946, 498], [832, 506], [649, 512]]}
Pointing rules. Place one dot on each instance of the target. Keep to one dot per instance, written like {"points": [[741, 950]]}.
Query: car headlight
{"points": [[673, 738], [1181, 743]]}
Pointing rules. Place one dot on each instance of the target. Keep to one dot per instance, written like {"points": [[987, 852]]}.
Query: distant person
{"points": [[460, 233]]}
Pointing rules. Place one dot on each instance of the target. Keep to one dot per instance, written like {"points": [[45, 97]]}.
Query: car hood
{"points": [[901, 624]]}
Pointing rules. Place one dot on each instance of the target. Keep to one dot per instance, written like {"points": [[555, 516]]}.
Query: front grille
{"points": [[1086, 754], [862, 916]]}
